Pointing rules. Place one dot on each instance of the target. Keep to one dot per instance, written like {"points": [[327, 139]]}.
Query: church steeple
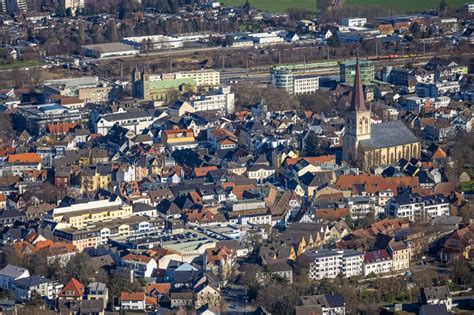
{"points": [[358, 121], [358, 100]]}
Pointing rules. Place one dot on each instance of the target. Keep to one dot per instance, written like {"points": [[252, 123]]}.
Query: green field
{"points": [[310, 5], [20, 64], [275, 5], [407, 5]]}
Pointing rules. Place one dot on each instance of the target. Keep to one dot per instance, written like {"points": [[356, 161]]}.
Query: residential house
{"points": [[377, 262], [78, 307], [326, 304], [220, 261], [98, 291], [45, 288], [207, 291], [73, 290], [133, 301], [11, 273], [142, 266], [435, 296]]}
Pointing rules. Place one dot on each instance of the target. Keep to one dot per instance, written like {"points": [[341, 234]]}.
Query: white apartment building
{"points": [[469, 7], [305, 84], [437, 89], [436, 206], [24, 288], [416, 207], [377, 262], [360, 207], [135, 121], [283, 78], [202, 77], [222, 101], [326, 263], [142, 266], [354, 22]]}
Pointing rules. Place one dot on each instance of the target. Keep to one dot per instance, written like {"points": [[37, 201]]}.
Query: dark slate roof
{"points": [[389, 134], [30, 281], [438, 309], [437, 292], [10, 213], [325, 300]]}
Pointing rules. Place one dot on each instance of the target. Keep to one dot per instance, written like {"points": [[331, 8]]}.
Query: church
{"points": [[365, 144]]}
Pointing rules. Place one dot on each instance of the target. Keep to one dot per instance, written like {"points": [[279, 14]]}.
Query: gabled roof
{"points": [[132, 296], [12, 271], [376, 256], [137, 258], [24, 158], [158, 288], [72, 289], [29, 282]]}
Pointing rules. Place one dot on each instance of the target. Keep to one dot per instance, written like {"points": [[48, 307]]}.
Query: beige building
{"points": [[209, 78], [400, 255], [83, 214], [95, 94], [367, 144], [209, 294]]}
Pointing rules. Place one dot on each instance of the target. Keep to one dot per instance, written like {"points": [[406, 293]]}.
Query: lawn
{"points": [[275, 5], [310, 5], [407, 5], [20, 64]]}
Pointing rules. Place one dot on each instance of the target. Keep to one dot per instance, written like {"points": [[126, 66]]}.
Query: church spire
{"points": [[358, 100]]}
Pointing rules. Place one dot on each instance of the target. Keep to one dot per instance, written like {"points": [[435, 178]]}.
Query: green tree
{"points": [[229, 40], [119, 282], [111, 33], [311, 145], [78, 267]]}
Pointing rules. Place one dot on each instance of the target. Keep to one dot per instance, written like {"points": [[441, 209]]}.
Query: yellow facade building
{"points": [[96, 177], [83, 214]]}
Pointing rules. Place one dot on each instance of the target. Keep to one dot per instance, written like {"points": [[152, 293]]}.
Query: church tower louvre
{"points": [[358, 121]]}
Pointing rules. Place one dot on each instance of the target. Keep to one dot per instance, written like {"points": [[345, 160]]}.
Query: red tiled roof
{"points": [[315, 160], [214, 255], [335, 214], [61, 128], [25, 158], [161, 288], [376, 256], [72, 289], [132, 296], [373, 184], [138, 258], [202, 171]]}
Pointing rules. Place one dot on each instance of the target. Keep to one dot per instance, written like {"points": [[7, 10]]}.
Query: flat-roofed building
{"points": [[177, 139], [109, 50], [36, 118], [327, 263], [89, 89], [133, 120], [82, 214], [284, 77], [347, 71]]}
